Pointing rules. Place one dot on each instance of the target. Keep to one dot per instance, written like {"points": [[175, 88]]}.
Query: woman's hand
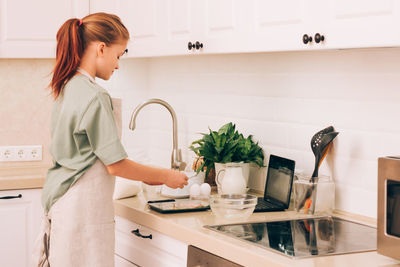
{"points": [[175, 179], [152, 176]]}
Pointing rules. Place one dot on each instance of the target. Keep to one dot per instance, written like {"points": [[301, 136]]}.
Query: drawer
{"points": [[121, 262], [159, 250]]}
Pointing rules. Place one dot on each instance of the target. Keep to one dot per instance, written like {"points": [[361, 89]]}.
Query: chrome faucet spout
{"points": [[176, 157]]}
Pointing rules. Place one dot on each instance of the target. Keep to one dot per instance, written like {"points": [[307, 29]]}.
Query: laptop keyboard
{"points": [[261, 204]]}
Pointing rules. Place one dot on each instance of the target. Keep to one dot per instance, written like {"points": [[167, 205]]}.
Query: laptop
{"points": [[278, 185]]}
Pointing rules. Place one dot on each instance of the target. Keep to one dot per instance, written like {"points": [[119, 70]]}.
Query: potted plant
{"points": [[226, 145]]}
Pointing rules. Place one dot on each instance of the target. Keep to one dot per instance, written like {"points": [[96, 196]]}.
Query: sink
{"points": [[304, 238]]}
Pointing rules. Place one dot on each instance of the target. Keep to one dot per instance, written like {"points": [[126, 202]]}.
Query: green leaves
{"points": [[226, 145]]}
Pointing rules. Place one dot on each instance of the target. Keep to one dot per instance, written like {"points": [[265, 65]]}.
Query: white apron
{"points": [[79, 228]]}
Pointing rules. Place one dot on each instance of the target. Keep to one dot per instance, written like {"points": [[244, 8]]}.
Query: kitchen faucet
{"points": [[176, 157]]}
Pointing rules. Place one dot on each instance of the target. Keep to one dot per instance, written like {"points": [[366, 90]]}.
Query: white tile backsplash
{"points": [[280, 98]]}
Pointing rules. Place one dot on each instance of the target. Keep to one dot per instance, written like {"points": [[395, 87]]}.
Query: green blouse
{"points": [[83, 129]]}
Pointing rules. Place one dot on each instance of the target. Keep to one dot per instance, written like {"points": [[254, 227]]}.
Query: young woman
{"points": [[78, 228]]}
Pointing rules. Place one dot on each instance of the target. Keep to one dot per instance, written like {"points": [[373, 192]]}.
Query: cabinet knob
{"points": [[10, 197], [137, 233], [319, 38], [199, 45], [307, 39], [190, 45]]}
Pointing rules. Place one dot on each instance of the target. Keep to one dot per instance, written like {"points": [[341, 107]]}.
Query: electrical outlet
{"points": [[21, 153], [34, 153], [6, 153]]}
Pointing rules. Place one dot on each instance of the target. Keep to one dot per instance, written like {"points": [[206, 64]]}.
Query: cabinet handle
{"points": [[190, 45], [307, 39], [319, 38], [199, 45], [137, 233], [10, 197]]}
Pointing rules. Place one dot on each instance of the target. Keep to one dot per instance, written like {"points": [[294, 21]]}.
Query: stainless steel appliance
{"points": [[302, 238], [389, 206]]}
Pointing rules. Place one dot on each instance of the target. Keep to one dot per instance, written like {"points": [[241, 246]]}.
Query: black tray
{"points": [[176, 206]]}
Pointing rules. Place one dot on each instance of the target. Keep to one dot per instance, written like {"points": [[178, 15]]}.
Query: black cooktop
{"points": [[302, 238]]}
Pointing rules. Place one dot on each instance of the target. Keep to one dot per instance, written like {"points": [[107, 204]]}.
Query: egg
{"points": [[205, 190], [194, 190]]}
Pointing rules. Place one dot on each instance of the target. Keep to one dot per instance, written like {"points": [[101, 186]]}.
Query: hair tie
{"points": [[80, 22]]}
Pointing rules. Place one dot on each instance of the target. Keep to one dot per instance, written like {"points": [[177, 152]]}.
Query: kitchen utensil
{"points": [[233, 206], [233, 181], [320, 144]]}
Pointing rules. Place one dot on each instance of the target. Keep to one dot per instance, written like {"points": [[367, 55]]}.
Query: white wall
{"points": [[280, 98]]}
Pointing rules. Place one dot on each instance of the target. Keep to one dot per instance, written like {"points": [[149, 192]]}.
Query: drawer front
{"points": [[121, 262], [159, 250]]}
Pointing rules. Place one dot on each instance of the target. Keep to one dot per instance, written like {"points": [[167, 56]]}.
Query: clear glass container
{"points": [[233, 206], [316, 197]]}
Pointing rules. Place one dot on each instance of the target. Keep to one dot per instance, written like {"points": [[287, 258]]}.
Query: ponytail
{"points": [[68, 54], [74, 36]]}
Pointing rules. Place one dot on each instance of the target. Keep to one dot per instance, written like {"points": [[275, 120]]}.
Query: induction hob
{"points": [[302, 238]]}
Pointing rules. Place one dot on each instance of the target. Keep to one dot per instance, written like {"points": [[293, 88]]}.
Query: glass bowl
{"points": [[233, 206]]}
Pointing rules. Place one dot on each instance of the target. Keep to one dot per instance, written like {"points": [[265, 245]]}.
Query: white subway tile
{"points": [[282, 99]]}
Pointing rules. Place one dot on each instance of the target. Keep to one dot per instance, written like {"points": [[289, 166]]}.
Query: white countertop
{"points": [[188, 228]]}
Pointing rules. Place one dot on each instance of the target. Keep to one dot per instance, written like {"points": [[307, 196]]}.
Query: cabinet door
{"points": [[19, 224], [219, 26], [159, 250], [28, 28], [362, 23], [145, 20], [222, 25], [183, 26], [165, 27], [278, 25]]}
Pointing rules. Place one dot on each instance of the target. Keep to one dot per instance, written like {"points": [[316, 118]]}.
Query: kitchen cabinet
{"points": [[145, 21], [343, 24], [121, 262], [162, 28], [217, 26], [360, 23], [146, 247], [28, 28], [166, 27], [20, 225]]}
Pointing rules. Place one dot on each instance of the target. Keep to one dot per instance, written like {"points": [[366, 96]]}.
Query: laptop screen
{"points": [[279, 179]]}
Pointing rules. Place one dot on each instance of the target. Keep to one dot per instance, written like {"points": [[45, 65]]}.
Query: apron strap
{"points": [[44, 251]]}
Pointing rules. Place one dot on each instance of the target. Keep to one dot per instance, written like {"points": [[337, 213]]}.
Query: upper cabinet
{"points": [[179, 27], [362, 23], [145, 21], [28, 28]]}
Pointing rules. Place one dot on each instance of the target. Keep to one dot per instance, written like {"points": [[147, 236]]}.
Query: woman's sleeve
{"points": [[99, 124]]}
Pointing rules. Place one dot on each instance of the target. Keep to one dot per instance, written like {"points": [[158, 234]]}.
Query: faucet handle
{"points": [[182, 166]]}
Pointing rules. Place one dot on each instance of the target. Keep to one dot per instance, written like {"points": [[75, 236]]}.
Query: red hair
{"points": [[74, 36]]}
